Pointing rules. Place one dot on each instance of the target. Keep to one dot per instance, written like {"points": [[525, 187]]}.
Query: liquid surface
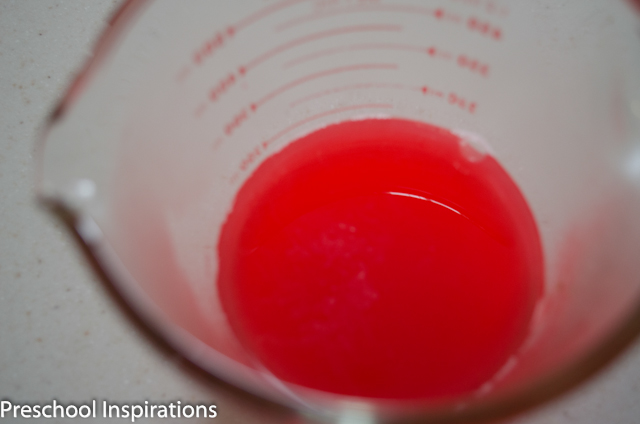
{"points": [[373, 258]]}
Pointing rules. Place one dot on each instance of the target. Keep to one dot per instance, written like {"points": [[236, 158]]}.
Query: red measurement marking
{"points": [[355, 47], [236, 122], [463, 61], [484, 28], [452, 98], [438, 53], [243, 115], [413, 10], [251, 157], [473, 64], [462, 103], [212, 45], [442, 14], [318, 36], [348, 88], [321, 74], [220, 38], [268, 142], [222, 86], [379, 250], [430, 91], [262, 13]]}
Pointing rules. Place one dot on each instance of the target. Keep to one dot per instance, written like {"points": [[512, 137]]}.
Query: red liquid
{"points": [[371, 258]]}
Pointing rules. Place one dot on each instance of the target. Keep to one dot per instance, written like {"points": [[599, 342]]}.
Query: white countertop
{"points": [[64, 332]]}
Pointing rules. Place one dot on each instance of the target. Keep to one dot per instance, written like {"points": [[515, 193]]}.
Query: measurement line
{"points": [[352, 87], [435, 52], [316, 36], [269, 141], [266, 11], [368, 46], [414, 10], [321, 74]]}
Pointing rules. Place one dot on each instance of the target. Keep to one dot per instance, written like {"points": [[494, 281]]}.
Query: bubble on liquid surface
{"points": [[473, 147]]}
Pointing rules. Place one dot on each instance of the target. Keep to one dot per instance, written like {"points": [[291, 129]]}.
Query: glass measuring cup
{"points": [[154, 140]]}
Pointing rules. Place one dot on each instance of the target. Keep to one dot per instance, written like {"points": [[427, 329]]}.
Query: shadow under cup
{"points": [[180, 105]]}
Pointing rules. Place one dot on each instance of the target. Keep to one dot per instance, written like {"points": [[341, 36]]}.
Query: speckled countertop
{"points": [[64, 333]]}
